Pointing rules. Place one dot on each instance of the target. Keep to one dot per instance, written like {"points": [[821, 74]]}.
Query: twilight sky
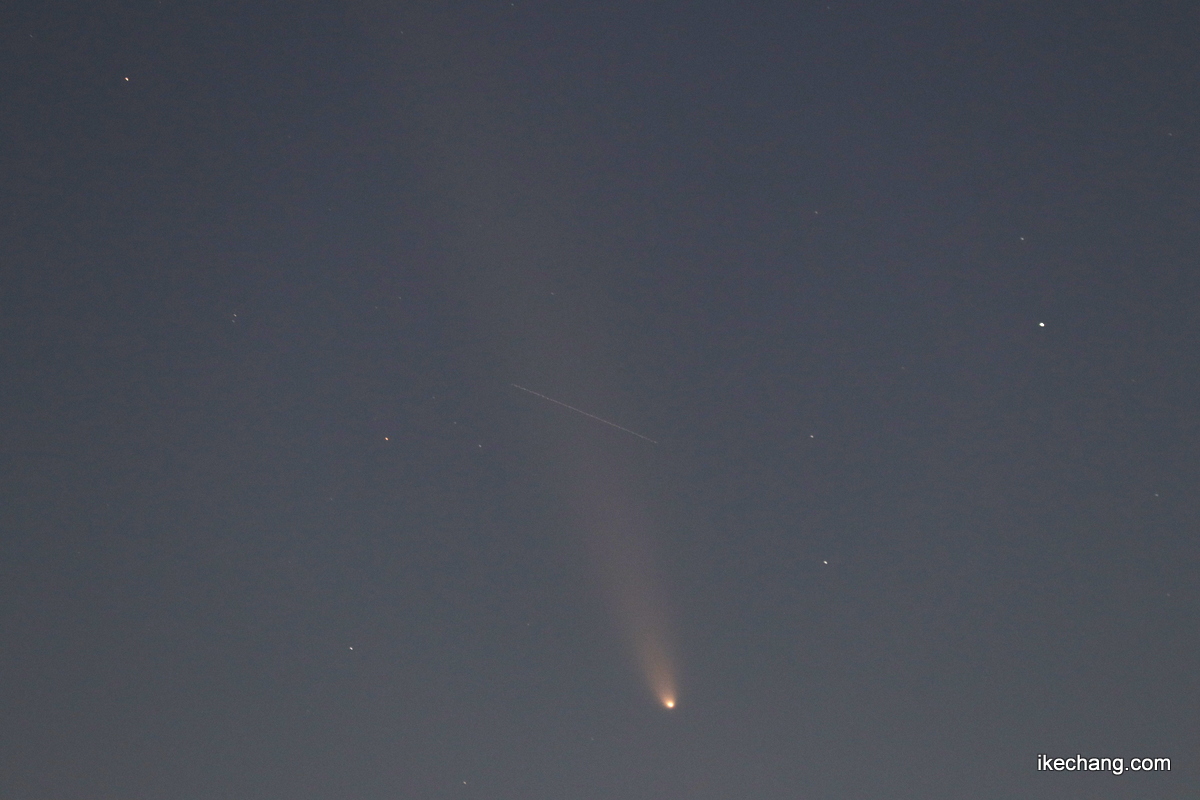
{"points": [[907, 296]]}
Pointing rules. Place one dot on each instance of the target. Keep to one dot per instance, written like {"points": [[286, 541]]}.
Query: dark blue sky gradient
{"points": [[906, 294]]}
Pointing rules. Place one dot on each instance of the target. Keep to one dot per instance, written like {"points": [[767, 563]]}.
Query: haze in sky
{"points": [[625, 400]]}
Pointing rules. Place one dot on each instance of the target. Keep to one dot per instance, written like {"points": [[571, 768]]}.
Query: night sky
{"points": [[879, 325]]}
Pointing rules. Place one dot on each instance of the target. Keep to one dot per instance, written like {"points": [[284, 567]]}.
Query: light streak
{"points": [[581, 411]]}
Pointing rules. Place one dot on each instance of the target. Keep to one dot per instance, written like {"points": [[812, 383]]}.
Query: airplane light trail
{"points": [[581, 411]]}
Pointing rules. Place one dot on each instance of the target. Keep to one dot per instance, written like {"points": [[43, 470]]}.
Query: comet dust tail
{"points": [[657, 666]]}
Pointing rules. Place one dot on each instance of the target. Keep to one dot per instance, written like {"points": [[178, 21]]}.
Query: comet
{"points": [[658, 670], [581, 411]]}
